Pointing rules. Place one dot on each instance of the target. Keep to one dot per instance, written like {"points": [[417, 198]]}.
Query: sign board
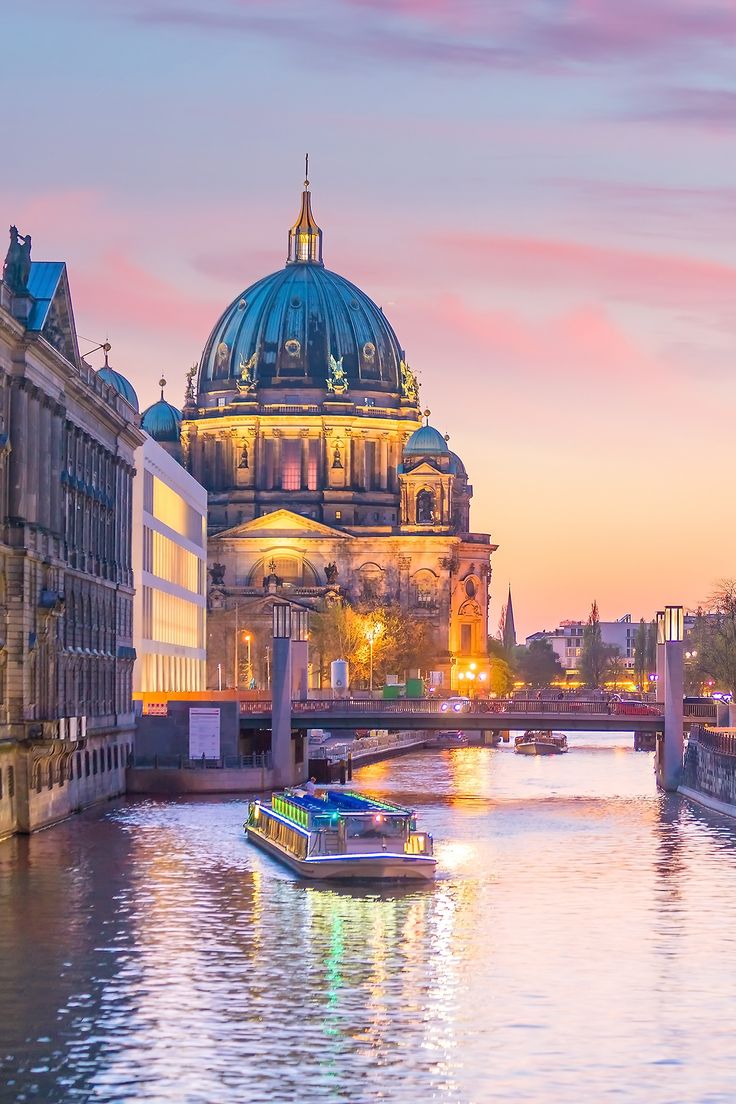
{"points": [[204, 733], [155, 709]]}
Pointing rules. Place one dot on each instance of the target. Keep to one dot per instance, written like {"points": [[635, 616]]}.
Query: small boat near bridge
{"points": [[541, 742]]}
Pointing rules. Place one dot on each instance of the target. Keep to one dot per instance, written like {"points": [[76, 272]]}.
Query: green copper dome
{"points": [[426, 441], [120, 383], [162, 421]]}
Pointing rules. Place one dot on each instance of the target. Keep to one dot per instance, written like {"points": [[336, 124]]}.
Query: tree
{"points": [[537, 663], [596, 656], [715, 636], [341, 632], [642, 669], [500, 677]]}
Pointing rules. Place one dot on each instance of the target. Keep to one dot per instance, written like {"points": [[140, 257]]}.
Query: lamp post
{"points": [[372, 633], [672, 635]]}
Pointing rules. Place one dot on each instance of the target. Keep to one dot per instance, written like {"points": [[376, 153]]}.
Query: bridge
{"points": [[478, 715]]}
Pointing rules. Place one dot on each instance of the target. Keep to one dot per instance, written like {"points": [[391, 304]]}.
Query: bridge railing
{"points": [[705, 711], [259, 759], [439, 707]]}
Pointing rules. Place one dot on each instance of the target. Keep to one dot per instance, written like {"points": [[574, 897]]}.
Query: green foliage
{"points": [[596, 656], [500, 677], [537, 664], [403, 643], [714, 637]]}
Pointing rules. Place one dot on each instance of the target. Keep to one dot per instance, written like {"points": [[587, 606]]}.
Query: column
{"points": [[669, 766], [276, 451], [18, 427], [661, 671], [282, 758], [305, 459], [383, 462]]}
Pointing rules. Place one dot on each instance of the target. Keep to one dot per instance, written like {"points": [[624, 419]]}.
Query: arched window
{"points": [[425, 589], [94, 762], [51, 774], [86, 764], [37, 780], [425, 508], [370, 582]]}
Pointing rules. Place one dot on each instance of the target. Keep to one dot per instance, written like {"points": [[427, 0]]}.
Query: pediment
{"points": [[425, 468], [282, 523], [52, 315]]}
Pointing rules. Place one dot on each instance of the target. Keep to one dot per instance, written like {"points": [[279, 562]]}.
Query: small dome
{"points": [[162, 421], [120, 383], [426, 441], [457, 466]]}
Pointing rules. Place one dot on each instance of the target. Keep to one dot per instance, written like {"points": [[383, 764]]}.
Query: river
{"points": [[579, 944]]}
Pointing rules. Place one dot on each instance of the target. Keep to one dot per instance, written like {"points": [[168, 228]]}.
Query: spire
{"points": [[509, 628], [162, 384], [305, 236]]}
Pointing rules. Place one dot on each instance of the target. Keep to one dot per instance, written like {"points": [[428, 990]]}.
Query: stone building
{"points": [[67, 442], [304, 425]]}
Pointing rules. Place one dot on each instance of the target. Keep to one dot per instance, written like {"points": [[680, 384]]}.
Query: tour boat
{"points": [[340, 835], [541, 743]]}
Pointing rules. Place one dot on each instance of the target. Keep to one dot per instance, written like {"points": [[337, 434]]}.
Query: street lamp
{"points": [[372, 633]]}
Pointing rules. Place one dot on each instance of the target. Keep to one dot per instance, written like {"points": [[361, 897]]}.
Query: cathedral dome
{"points": [[304, 327], [426, 441], [162, 421], [120, 383]]}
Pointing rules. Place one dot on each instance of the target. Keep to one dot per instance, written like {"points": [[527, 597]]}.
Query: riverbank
{"points": [[709, 769]]}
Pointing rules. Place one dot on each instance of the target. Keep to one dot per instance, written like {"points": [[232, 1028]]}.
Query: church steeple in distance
{"points": [[305, 236], [509, 628]]}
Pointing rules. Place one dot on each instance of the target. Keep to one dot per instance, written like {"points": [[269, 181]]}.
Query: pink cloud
{"points": [[664, 280]]}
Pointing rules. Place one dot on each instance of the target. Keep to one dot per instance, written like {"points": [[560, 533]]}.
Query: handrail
{"points": [[436, 707], [722, 741]]}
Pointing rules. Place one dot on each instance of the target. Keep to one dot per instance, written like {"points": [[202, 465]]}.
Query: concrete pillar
{"points": [[305, 462], [276, 481], [673, 719], [299, 669], [661, 671], [383, 462], [282, 757]]}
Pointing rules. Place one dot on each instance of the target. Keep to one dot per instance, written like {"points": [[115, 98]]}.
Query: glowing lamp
{"points": [[674, 624], [300, 624], [660, 627], [282, 621]]}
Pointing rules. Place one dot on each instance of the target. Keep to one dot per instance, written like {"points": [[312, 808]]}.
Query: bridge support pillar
{"points": [[282, 753], [669, 763]]}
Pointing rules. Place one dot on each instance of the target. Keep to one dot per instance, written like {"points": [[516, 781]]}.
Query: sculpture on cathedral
{"points": [[190, 398], [217, 575], [409, 383], [243, 462], [331, 573], [17, 266], [246, 382], [337, 379]]}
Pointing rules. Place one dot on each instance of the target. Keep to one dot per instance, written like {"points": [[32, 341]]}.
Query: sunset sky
{"points": [[540, 193]]}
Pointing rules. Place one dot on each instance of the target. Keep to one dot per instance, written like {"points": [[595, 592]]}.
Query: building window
{"points": [[1, 784], [50, 778], [291, 464], [466, 639], [94, 762], [86, 764], [425, 508], [11, 781], [79, 764], [115, 757], [338, 515], [221, 401]]}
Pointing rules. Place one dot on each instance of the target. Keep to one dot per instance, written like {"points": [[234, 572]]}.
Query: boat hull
{"points": [[539, 749], [358, 867]]}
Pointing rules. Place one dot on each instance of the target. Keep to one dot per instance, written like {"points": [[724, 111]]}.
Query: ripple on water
{"points": [[147, 953]]}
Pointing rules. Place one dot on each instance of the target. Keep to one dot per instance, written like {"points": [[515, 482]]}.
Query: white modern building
{"points": [[567, 640], [170, 571]]}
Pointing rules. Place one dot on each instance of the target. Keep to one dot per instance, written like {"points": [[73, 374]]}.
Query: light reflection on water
{"points": [[578, 944]]}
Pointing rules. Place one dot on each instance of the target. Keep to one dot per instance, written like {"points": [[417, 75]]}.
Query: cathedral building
{"points": [[324, 480]]}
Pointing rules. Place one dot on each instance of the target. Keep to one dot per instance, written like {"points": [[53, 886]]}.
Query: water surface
{"points": [[578, 945]]}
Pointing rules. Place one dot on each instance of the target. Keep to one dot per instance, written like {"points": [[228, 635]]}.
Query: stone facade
{"points": [[67, 442], [323, 483]]}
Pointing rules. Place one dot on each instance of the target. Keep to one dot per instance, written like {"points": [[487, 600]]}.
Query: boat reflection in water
{"points": [[540, 742], [341, 835]]}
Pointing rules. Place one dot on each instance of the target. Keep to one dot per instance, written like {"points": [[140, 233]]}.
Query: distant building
{"points": [[170, 567], [68, 436], [567, 640]]}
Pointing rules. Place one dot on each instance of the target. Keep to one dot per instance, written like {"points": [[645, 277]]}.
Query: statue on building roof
{"points": [[337, 379], [217, 575], [17, 266], [331, 573], [409, 383], [190, 399], [246, 382]]}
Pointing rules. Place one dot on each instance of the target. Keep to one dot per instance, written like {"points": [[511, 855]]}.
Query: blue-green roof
{"points": [[121, 385], [426, 441], [162, 421]]}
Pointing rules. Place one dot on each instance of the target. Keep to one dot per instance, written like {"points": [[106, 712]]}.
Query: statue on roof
{"points": [[409, 383], [190, 398], [17, 266], [337, 379], [246, 381]]}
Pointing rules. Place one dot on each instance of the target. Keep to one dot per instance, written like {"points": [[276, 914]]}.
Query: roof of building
{"points": [[161, 420], [43, 282], [120, 383], [426, 441], [304, 327]]}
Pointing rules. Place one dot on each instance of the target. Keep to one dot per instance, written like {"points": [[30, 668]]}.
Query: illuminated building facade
{"points": [[170, 566], [304, 425], [67, 441]]}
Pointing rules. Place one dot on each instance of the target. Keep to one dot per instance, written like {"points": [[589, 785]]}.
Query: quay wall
{"points": [[42, 784], [709, 773], [172, 781]]}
